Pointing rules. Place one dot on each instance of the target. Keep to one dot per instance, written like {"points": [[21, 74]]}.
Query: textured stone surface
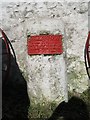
{"points": [[47, 77], [22, 18]]}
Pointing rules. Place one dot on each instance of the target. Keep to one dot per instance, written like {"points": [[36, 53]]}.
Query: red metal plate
{"points": [[45, 44]]}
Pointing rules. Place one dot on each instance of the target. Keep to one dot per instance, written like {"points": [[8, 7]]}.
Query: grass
{"points": [[41, 111], [44, 110]]}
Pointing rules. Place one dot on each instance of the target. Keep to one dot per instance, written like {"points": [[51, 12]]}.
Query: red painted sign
{"points": [[45, 44]]}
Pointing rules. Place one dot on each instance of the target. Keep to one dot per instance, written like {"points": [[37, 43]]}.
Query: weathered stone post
{"points": [[47, 73]]}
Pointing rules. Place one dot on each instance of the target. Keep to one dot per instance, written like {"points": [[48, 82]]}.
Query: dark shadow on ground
{"points": [[85, 96], [15, 100], [77, 108]]}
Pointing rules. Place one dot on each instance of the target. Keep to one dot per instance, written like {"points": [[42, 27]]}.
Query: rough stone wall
{"points": [[22, 18]]}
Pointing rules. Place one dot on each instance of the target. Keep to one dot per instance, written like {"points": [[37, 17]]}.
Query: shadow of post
{"points": [[74, 109], [15, 100]]}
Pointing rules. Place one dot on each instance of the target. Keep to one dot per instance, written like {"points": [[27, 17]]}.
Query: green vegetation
{"points": [[41, 110], [44, 110]]}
